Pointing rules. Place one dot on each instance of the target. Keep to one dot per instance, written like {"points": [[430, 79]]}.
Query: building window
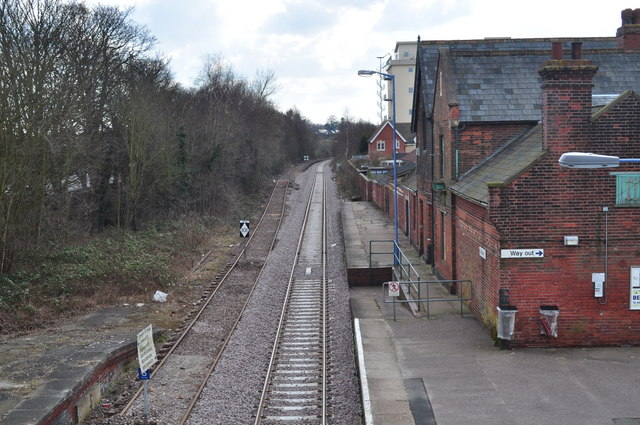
{"points": [[410, 89], [405, 54], [627, 189], [380, 145], [410, 69], [410, 111]]}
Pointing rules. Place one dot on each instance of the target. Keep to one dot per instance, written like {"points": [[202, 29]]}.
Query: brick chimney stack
{"points": [[628, 35], [566, 99]]}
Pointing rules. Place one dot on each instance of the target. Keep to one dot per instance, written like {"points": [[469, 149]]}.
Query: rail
{"points": [[464, 293]]}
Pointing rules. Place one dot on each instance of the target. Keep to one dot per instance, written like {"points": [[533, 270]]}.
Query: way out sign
{"points": [[394, 289], [146, 350], [522, 253], [244, 228]]}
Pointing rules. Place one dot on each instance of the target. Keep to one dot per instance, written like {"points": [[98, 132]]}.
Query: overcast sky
{"points": [[315, 47]]}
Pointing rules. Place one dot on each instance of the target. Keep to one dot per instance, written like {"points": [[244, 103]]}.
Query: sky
{"points": [[315, 47]]}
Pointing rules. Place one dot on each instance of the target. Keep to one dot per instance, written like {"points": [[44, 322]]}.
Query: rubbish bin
{"points": [[549, 320], [506, 322]]}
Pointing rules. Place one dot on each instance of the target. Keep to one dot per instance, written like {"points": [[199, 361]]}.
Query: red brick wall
{"points": [[477, 141], [563, 202], [474, 231]]}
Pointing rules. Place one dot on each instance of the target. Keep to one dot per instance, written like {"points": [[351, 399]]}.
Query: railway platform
{"points": [[446, 370]]}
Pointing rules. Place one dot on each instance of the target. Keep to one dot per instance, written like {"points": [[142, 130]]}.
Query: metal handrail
{"points": [[400, 268], [428, 299]]}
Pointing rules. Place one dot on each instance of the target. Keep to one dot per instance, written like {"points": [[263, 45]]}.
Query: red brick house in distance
{"points": [[381, 143], [492, 117]]}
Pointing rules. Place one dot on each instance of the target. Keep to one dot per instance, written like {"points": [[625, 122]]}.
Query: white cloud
{"points": [[316, 47]]}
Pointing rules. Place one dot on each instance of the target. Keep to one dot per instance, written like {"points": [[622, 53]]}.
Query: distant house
{"points": [[380, 146], [489, 202]]}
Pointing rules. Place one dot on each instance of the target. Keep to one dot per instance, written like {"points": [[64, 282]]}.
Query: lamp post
{"points": [[592, 160], [368, 73]]}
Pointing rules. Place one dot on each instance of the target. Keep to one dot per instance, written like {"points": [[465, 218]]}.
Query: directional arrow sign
{"points": [[522, 253]]}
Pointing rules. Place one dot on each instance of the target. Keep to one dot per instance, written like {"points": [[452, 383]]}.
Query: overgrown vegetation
{"points": [[98, 144], [112, 268], [95, 133]]}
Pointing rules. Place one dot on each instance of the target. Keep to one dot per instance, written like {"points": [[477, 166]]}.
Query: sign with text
{"points": [[146, 350], [634, 297], [522, 253]]}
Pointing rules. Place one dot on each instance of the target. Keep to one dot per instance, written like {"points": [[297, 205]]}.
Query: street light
{"points": [[592, 160], [368, 73]]}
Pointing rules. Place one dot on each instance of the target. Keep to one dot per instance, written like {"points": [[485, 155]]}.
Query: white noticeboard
{"points": [[394, 289], [634, 297], [146, 350]]}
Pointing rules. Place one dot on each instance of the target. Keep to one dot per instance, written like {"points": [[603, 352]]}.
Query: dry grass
{"points": [[115, 268]]}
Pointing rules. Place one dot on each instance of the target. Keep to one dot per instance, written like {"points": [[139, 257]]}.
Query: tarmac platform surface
{"points": [[446, 370]]}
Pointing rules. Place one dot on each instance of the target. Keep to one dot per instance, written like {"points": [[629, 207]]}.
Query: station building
{"points": [[488, 201]]}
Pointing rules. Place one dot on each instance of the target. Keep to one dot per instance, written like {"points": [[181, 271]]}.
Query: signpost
{"points": [[394, 289], [244, 233], [146, 358]]}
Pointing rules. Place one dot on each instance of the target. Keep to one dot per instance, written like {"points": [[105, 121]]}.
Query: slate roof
{"points": [[497, 80], [501, 167], [405, 130], [387, 177]]}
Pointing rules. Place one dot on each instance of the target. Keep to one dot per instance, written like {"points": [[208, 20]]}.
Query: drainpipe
{"points": [[459, 128], [603, 300], [432, 260]]}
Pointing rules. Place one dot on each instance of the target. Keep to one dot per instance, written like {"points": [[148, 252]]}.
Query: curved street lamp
{"points": [[368, 73]]}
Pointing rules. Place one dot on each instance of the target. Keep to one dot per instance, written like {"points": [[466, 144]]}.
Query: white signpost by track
{"points": [[146, 358]]}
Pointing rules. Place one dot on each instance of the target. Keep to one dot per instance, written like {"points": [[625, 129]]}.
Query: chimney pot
{"points": [[576, 50], [627, 16], [635, 18], [556, 50]]}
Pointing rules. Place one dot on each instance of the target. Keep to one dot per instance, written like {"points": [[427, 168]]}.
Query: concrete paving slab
{"points": [[469, 380]]}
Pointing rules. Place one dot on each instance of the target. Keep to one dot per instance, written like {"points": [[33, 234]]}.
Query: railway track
{"points": [[191, 357], [295, 383]]}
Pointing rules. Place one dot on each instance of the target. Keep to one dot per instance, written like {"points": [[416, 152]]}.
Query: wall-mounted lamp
{"points": [[570, 240]]}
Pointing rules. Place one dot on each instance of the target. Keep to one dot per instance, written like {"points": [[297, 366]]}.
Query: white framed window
{"points": [[380, 145], [410, 111], [410, 69], [410, 89]]}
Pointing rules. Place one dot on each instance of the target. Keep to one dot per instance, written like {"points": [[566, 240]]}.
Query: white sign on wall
{"points": [[634, 297], [522, 253]]}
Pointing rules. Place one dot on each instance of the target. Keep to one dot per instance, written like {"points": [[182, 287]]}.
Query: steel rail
{"points": [[213, 365], [285, 310], [204, 305]]}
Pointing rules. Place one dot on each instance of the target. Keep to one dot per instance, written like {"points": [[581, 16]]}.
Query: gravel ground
{"points": [[233, 391]]}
